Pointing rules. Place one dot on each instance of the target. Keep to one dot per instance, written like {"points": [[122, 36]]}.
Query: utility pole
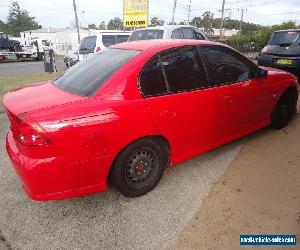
{"points": [[189, 11], [222, 19], [76, 21], [241, 22], [174, 8]]}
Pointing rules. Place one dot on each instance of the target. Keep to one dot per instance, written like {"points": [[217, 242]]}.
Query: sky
{"points": [[59, 13]]}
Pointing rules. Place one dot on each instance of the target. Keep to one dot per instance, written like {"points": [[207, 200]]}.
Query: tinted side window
{"points": [[146, 34], [122, 38], [177, 34], [188, 33], [88, 44], [152, 80], [198, 35], [108, 40], [183, 69], [225, 65]]}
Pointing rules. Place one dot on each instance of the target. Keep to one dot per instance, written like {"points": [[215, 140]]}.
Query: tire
{"points": [[284, 110], [139, 167], [17, 47]]}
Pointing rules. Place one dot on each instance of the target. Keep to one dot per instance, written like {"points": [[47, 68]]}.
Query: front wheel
{"points": [[139, 167], [284, 110]]}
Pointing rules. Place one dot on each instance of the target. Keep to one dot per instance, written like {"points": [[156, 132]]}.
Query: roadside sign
{"points": [[135, 13]]}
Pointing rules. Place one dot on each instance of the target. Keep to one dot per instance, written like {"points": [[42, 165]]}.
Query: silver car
{"points": [[168, 32]]}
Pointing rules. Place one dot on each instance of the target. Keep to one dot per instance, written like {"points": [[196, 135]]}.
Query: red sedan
{"points": [[128, 112]]}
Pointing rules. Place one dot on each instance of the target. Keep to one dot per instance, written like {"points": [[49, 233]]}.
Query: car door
{"points": [[180, 105], [177, 34], [245, 100]]}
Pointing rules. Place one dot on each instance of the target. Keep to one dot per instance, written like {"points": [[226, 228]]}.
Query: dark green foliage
{"points": [[115, 24], [19, 20], [154, 21]]}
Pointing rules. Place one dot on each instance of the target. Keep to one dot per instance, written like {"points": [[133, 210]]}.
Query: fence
{"points": [[250, 49], [64, 48]]}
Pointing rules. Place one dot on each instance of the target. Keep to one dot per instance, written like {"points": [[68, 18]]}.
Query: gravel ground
{"points": [[258, 194], [108, 220]]}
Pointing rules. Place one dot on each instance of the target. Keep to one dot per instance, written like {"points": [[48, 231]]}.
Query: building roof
{"points": [[50, 30]]}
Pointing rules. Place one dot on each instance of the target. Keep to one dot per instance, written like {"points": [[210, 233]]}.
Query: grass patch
{"points": [[8, 83]]}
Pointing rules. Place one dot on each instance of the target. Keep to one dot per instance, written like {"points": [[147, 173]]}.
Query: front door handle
{"points": [[168, 114], [228, 99]]}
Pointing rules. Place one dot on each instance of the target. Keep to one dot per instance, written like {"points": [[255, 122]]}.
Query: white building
{"points": [[226, 32], [62, 40]]}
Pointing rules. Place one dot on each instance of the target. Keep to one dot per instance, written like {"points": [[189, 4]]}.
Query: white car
{"points": [[168, 32], [100, 41]]}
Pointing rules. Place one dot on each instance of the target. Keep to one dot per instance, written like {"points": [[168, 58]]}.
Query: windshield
{"points": [[88, 75], [146, 35], [285, 37], [88, 44]]}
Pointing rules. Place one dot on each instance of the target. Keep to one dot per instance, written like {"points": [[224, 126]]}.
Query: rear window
{"points": [[146, 35], [88, 44], [285, 37], [122, 38], [87, 76], [108, 40]]}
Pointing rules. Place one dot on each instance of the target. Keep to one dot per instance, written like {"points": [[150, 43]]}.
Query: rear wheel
{"points": [[17, 47], [139, 167], [284, 110]]}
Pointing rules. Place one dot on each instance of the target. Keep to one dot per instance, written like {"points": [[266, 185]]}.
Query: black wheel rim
{"points": [[141, 167]]}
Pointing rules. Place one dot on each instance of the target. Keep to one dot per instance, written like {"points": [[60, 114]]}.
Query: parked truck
{"points": [[33, 50]]}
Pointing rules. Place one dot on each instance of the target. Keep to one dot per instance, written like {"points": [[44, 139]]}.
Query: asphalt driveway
{"points": [[27, 67], [108, 220]]}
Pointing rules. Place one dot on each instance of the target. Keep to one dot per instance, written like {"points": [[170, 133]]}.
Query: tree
{"points": [[197, 22], [102, 26], [115, 24], [19, 20], [92, 26], [207, 22], [3, 26], [154, 21]]}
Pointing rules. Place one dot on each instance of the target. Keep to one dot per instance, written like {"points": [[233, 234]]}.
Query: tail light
{"points": [[29, 132], [98, 49]]}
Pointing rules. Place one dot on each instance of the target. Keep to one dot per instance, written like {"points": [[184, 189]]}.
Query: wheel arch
{"points": [[159, 138], [293, 91]]}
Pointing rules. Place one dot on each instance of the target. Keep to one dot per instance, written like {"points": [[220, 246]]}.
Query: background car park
{"points": [[249, 185]]}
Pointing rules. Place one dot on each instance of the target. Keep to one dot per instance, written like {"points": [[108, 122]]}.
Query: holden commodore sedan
{"points": [[151, 105]]}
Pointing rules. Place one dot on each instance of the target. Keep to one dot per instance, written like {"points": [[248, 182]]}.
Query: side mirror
{"points": [[261, 73]]}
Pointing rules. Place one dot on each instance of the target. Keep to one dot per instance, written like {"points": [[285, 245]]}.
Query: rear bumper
{"points": [[54, 178], [270, 61]]}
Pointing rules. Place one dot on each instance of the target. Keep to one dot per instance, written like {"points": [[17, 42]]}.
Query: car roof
{"points": [[143, 45], [167, 27], [288, 30]]}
